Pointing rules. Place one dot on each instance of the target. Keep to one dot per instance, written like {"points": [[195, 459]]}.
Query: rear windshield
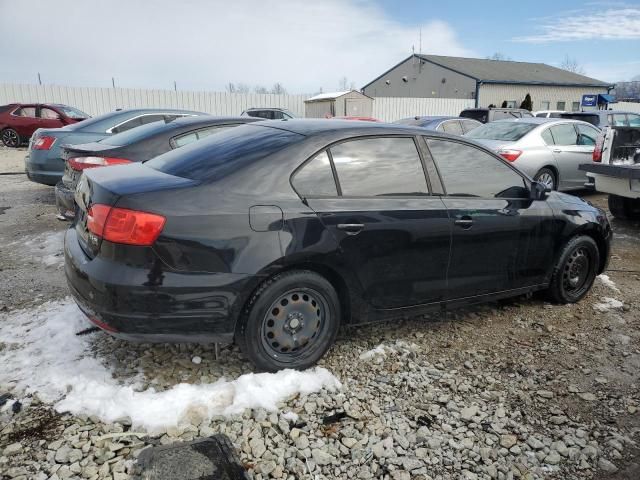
{"points": [[480, 115], [510, 131], [223, 153], [593, 119], [136, 134]]}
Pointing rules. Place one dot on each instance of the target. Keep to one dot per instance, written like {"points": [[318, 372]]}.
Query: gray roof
{"points": [[501, 71]]}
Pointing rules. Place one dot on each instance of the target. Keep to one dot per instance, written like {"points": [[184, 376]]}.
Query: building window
{"points": [[575, 106], [545, 105], [561, 105], [511, 104]]}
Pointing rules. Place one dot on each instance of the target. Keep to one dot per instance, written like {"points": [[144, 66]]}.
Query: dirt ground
{"points": [[577, 365]]}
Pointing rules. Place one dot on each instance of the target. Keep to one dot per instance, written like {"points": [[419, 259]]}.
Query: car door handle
{"points": [[557, 150], [464, 222], [351, 228]]}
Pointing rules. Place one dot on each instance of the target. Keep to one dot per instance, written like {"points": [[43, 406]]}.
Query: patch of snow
{"points": [[197, 360], [76, 381], [47, 248], [608, 304], [607, 282], [380, 350], [328, 95], [290, 416]]}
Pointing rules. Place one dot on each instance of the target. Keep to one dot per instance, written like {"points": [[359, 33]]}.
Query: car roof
{"points": [[309, 126], [540, 121]]}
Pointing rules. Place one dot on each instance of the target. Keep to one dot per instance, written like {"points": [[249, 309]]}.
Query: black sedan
{"points": [[275, 234], [135, 145]]}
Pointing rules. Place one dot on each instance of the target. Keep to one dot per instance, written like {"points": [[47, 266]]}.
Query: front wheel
{"points": [[11, 138], [575, 271], [290, 322], [548, 178]]}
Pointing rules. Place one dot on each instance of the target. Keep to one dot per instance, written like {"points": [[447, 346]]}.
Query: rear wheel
{"points": [[547, 177], [11, 138], [290, 322], [624, 208], [575, 271]]}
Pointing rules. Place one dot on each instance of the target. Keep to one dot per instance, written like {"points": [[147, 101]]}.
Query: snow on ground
{"points": [[607, 304], [47, 247], [40, 353], [607, 282], [380, 350]]}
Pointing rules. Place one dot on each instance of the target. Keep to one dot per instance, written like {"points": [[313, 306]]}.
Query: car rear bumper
{"points": [[154, 304], [64, 201], [41, 168]]}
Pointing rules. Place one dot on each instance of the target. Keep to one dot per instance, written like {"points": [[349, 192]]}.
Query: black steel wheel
{"points": [[11, 138], [575, 270], [290, 322]]}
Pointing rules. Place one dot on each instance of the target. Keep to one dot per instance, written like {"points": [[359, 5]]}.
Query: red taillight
{"points": [[597, 151], [510, 154], [121, 225], [80, 163], [43, 143]]}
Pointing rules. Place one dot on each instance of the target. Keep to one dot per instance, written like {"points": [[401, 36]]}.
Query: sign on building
{"points": [[589, 100]]}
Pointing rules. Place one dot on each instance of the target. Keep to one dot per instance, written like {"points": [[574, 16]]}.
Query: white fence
{"points": [[95, 101], [627, 106]]}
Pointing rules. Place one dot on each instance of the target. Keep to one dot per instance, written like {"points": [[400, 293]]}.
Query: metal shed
{"points": [[338, 104]]}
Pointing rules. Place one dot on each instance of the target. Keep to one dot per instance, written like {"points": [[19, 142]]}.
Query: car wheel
{"points": [[575, 271], [11, 138], [547, 178], [624, 208], [290, 322]]}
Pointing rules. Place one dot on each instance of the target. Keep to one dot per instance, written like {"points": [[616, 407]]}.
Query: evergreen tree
{"points": [[504, 104], [527, 103]]}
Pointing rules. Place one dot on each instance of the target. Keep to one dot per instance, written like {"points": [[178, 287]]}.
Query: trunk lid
{"points": [[108, 185]]}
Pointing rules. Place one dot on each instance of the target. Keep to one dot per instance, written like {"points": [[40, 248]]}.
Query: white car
{"points": [[548, 113]]}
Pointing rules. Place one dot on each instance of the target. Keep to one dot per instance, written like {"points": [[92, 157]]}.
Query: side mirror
{"points": [[538, 191]]}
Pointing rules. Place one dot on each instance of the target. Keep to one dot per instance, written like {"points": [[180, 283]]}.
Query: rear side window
{"points": [[564, 134], [26, 112], [315, 178], [224, 153], [452, 127], [379, 166], [470, 172], [547, 136]]}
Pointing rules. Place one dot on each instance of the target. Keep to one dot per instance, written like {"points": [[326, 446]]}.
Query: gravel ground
{"points": [[519, 389]]}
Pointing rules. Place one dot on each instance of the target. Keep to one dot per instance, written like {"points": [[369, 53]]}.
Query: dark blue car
{"points": [[452, 125], [44, 163]]}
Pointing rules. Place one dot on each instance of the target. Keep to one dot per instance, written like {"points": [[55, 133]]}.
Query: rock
{"points": [[267, 467], [400, 475], [589, 397], [257, 447], [468, 413], [321, 457], [62, 454], [508, 441], [606, 466], [13, 449], [411, 463], [534, 443], [545, 394], [302, 442], [349, 442], [558, 419], [553, 458], [197, 360]]}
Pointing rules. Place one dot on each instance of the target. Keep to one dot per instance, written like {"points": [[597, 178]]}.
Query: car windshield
{"points": [[73, 112], [136, 134], [223, 153], [508, 131], [593, 119]]}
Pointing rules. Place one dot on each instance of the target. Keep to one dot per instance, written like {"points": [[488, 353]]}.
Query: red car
{"points": [[18, 121]]}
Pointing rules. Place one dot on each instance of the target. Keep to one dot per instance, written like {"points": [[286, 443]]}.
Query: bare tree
{"points": [[343, 83], [278, 89], [498, 56], [260, 89], [571, 65], [230, 88], [242, 88]]}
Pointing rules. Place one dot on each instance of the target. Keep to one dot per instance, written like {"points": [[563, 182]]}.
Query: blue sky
{"points": [[304, 45], [489, 26]]}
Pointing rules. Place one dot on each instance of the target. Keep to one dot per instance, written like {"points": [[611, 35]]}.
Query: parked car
{"points": [[548, 150], [606, 118], [18, 121], [44, 163], [361, 119], [268, 113], [549, 113], [486, 115], [136, 145], [274, 234], [453, 125]]}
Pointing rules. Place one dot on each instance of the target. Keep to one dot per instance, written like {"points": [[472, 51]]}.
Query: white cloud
{"points": [[621, 23], [206, 44]]}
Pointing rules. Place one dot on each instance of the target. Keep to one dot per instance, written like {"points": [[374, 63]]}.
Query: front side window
{"points": [[564, 134], [634, 120], [560, 105], [586, 135], [470, 172], [48, 114], [315, 178], [620, 120], [379, 166]]}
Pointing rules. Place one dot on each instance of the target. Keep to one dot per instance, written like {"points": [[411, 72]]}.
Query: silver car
{"points": [[548, 150]]}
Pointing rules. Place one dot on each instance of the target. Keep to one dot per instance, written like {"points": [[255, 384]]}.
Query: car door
{"points": [[501, 240], [48, 118], [24, 120], [569, 154], [392, 234]]}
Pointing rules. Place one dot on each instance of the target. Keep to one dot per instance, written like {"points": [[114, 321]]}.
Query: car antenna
{"points": [[304, 201]]}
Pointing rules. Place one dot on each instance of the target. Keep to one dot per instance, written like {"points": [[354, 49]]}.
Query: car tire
{"points": [[624, 208], [548, 177], [290, 321], [11, 138], [575, 271]]}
